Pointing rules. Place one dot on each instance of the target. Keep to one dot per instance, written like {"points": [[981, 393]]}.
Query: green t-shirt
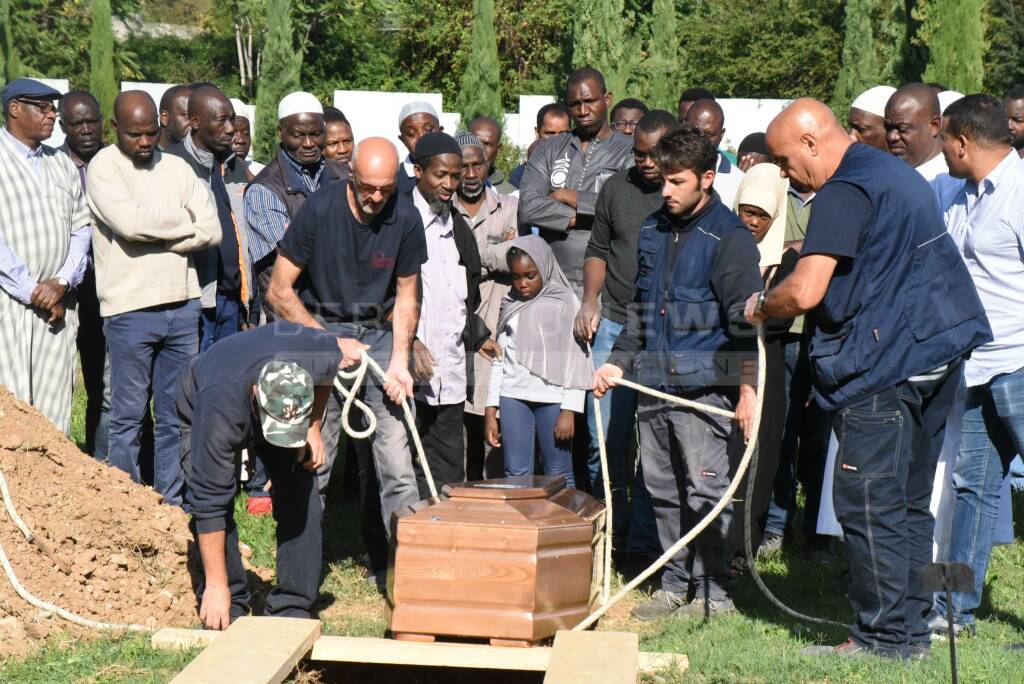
{"points": [[796, 229]]}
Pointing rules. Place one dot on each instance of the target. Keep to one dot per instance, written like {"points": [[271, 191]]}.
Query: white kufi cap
{"points": [[873, 100], [418, 107], [299, 102], [948, 97]]}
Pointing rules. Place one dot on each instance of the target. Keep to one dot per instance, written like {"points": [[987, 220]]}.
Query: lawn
{"points": [[758, 644]]}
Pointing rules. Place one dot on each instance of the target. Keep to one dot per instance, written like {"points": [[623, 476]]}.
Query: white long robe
{"points": [[37, 214]]}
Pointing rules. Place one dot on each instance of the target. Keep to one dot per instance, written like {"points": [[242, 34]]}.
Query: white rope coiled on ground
{"points": [[31, 599]]}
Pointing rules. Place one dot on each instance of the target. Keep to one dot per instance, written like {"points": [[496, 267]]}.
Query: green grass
{"points": [[758, 644]]}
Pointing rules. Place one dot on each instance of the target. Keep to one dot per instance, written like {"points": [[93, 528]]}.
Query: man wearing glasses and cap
{"points": [[263, 390], [45, 234]]}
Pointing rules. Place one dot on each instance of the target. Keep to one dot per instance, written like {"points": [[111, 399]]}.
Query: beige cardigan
{"points": [[143, 230]]}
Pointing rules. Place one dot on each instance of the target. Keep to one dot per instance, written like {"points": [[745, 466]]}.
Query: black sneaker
{"points": [[662, 604]]}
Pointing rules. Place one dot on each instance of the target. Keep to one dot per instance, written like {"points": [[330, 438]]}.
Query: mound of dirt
{"points": [[124, 552]]}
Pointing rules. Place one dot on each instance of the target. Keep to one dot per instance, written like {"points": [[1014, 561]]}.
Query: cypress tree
{"points": [[860, 66], [663, 57], [604, 38], [279, 75], [480, 89], [10, 65], [101, 58], [953, 34]]}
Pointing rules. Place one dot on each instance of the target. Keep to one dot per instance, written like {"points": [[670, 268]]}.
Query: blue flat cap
{"points": [[27, 87]]}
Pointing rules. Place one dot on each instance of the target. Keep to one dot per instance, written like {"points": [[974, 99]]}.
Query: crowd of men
{"points": [[212, 301]]}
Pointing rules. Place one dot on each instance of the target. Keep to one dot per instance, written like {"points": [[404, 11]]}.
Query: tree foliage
{"points": [[662, 67], [607, 37], [952, 32], [279, 75], [102, 83], [10, 63], [772, 48], [480, 89], [1004, 40]]}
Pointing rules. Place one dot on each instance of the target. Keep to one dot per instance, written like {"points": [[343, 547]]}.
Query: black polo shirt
{"points": [[350, 269]]}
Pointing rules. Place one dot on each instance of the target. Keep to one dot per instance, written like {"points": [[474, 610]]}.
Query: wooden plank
{"points": [[253, 650], [606, 657], [175, 639], [440, 654]]}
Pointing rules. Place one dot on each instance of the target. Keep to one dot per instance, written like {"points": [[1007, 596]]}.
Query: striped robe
{"points": [[37, 214]]}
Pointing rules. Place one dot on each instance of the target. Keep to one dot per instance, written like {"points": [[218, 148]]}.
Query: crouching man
{"points": [[697, 265], [263, 390]]}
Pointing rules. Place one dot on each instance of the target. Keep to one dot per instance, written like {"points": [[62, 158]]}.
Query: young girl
{"points": [[543, 375]]}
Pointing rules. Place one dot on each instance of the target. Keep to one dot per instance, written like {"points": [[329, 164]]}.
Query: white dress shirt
{"points": [[986, 221], [443, 310]]}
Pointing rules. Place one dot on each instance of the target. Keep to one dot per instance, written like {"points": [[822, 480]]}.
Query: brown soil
{"points": [[125, 550]]}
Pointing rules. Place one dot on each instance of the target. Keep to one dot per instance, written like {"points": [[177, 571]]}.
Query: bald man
{"points": [[174, 124], [225, 273], [912, 123], [360, 246], [896, 313], [152, 216], [707, 115], [82, 123]]}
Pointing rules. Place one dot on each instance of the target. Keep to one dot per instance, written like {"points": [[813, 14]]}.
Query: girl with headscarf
{"points": [[543, 375], [762, 203]]}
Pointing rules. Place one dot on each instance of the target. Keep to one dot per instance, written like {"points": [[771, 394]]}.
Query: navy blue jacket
{"points": [[691, 287], [905, 304]]}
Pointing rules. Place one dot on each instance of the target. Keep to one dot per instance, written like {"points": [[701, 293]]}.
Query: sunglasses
{"points": [[44, 107]]}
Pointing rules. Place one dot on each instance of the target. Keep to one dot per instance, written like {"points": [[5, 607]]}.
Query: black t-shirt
{"points": [[624, 203], [350, 268], [215, 401], [842, 212]]}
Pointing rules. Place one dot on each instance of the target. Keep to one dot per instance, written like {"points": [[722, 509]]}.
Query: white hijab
{"points": [[764, 187]]}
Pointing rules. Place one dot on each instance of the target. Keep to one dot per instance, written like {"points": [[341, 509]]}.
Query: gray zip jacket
{"points": [[560, 162]]}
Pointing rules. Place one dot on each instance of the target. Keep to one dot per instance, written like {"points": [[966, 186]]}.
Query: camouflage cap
{"points": [[284, 392]]}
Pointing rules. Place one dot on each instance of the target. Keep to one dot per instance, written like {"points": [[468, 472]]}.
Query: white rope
{"points": [[358, 377], [39, 603], [607, 588], [714, 512]]}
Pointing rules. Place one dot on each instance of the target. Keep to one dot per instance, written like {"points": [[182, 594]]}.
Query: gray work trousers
{"points": [[685, 459], [390, 442]]}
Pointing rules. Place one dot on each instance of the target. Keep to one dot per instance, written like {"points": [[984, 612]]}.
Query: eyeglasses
{"points": [[44, 107], [623, 126], [368, 190]]}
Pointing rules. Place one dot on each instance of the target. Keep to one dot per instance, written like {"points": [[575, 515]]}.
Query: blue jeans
{"points": [[220, 322], [889, 444], [992, 434], [618, 413], [521, 422], [149, 348]]}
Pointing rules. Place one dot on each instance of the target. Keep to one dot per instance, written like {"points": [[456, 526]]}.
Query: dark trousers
{"points": [[297, 513], [262, 270], [222, 321], [440, 429], [769, 440], [149, 349], [482, 460], [889, 445], [685, 456], [92, 350]]}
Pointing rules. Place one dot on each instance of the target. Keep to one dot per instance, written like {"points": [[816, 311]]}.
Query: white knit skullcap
{"points": [[948, 97], [418, 107], [299, 102], [873, 100]]}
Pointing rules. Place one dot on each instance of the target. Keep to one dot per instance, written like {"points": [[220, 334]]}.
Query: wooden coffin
{"points": [[506, 559]]}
